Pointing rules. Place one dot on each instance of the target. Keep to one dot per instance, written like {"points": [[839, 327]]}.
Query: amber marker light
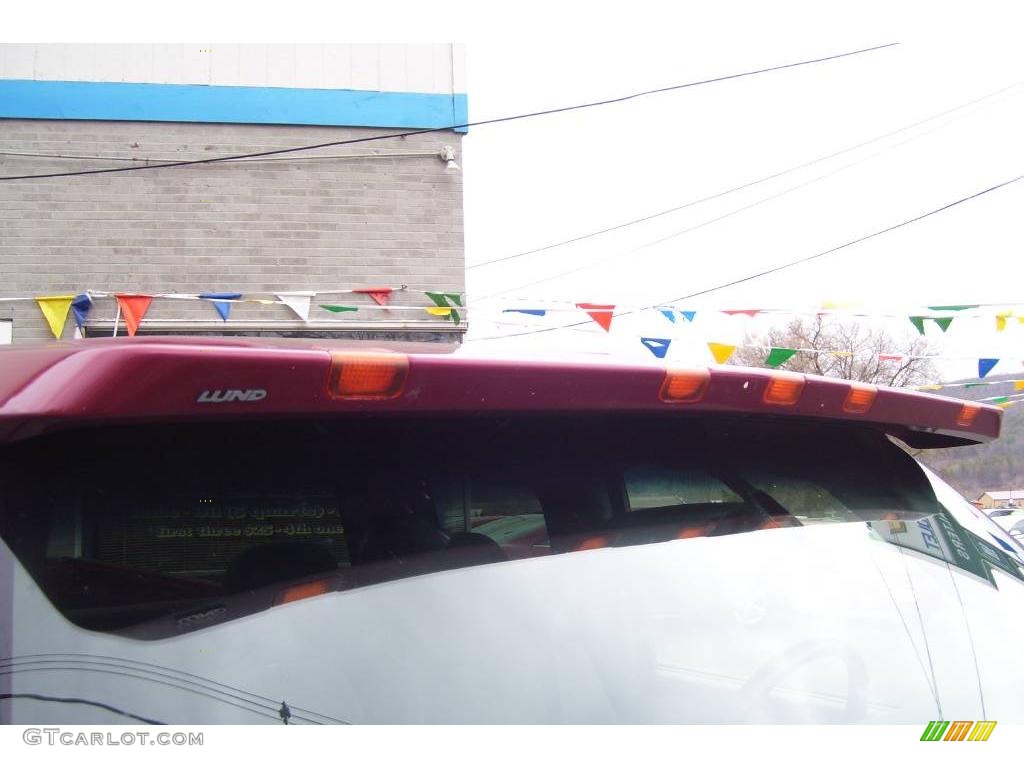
{"points": [[860, 398], [968, 411], [784, 389], [367, 376], [685, 386], [302, 591]]}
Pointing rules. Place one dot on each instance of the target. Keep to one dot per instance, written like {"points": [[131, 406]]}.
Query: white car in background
{"points": [[1009, 520]]}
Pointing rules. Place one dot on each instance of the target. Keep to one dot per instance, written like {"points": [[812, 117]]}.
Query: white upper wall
{"points": [[393, 68]]}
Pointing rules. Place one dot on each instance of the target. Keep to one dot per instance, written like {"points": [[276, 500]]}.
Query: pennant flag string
{"points": [[942, 322], [1001, 399], [985, 365], [658, 347], [721, 352], [298, 302], [222, 302], [379, 295], [447, 300], [134, 307], [600, 314], [778, 356], [80, 306], [55, 310], [688, 315]]}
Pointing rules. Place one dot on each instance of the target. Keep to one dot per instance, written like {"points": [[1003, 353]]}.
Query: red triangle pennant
{"points": [[133, 307], [599, 313], [380, 295], [747, 312]]}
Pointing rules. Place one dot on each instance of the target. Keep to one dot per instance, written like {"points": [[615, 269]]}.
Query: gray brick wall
{"points": [[255, 226]]}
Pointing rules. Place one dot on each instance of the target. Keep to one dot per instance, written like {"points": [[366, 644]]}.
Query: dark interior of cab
{"points": [[130, 524]]}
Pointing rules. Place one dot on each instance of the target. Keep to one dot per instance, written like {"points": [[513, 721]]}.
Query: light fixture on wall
{"points": [[447, 156]]}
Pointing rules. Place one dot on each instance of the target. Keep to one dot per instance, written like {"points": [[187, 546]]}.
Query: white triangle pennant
{"points": [[298, 302]]}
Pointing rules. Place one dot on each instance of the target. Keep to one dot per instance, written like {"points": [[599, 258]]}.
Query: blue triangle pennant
{"points": [[671, 314], [81, 305], [985, 365], [658, 347], [534, 312], [223, 307]]}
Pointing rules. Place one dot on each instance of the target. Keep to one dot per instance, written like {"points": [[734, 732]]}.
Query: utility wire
{"points": [[87, 702], [477, 123], [746, 185], [134, 665], [775, 269], [373, 156], [806, 259], [728, 214], [702, 224], [79, 668]]}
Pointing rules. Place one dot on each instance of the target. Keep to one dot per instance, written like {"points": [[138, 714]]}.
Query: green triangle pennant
{"points": [[954, 307], [778, 356], [443, 299], [338, 308], [918, 323], [943, 322]]}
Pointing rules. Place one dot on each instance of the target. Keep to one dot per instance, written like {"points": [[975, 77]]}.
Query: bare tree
{"points": [[847, 350]]}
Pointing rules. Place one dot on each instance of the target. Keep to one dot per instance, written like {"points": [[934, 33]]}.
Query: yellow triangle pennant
{"points": [[1001, 320], [439, 311], [929, 387], [55, 310], [721, 352], [1018, 385]]}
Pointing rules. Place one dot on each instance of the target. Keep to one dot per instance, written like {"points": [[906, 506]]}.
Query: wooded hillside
{"points": [[994, 466]]}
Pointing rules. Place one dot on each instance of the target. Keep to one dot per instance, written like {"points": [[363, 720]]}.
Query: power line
{"points": [[87, 702], [177, 675], [373, 156], [775, 269], [806, 259], [728, 214], [492, 121], [746, 185]]}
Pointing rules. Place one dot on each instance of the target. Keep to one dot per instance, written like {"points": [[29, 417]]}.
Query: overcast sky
{"points": [[544, 180], [534, 182]]}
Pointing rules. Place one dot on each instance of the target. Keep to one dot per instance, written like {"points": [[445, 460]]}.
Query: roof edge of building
{"points": [[169, 102]]}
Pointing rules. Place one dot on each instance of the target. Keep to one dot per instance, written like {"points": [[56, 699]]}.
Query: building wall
{"points": [[426, 68], [322, 220], [988, 502]]}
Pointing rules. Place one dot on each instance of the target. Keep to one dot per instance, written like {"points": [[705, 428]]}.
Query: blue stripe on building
{"points": [[66, 100]]}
